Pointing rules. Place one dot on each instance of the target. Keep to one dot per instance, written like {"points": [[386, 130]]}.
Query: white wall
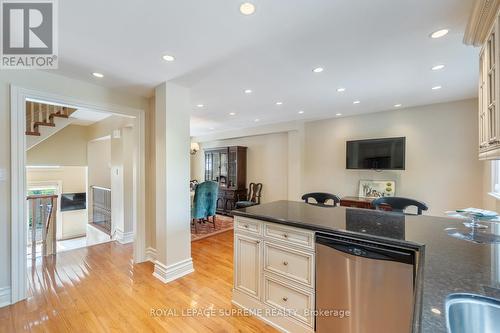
{"points": [[51, 83], [99, 162], [73, 180], [267, 162], [442, 167]]}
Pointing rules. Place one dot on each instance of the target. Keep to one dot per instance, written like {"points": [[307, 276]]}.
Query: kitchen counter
{"points": [[449, 265]]}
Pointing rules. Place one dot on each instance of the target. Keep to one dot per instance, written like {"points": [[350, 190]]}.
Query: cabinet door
{"points": [[491, 93], [247, 265], [483, 119]]}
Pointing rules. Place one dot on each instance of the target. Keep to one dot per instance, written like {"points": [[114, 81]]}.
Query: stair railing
{"points": [[40, 113], [100, 213], [42, 224]]}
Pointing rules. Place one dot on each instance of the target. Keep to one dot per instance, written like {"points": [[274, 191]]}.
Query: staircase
{"points": [[44, 120]]}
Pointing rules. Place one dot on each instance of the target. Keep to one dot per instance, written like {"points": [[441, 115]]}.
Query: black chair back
{"points": [[321, 198], [399, 204]]}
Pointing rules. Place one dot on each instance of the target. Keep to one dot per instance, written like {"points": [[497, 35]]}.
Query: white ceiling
{"points": [[85, 117], [378, 50]]}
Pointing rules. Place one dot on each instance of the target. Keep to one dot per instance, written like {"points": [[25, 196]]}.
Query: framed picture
{"points": [[376, 188]]}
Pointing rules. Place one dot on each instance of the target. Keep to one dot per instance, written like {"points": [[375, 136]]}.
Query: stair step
{"points": [[32, 133], [39, 123]]}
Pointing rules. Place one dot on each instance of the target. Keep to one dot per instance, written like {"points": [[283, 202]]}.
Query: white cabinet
{"points": [[247, 258], [489, 95], [274, 273]]}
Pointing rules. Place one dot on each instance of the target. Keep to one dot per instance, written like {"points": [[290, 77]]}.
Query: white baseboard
{"points": [[5, 298], [173, 272], [151, 254], [124, 237]]}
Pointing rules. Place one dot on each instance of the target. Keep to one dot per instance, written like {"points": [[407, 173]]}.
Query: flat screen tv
{"points": [[376, 154], [73, 201]]}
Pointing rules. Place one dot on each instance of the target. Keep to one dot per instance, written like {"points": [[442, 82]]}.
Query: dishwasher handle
{"points": [[367, 250]]}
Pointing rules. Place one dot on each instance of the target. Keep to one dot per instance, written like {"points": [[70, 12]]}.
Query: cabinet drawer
{"points": [[289, 235], [248, 225], [292, 264], [295, 302]]}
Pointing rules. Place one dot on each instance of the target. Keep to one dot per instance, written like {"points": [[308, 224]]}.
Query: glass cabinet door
{"points": [[232, 181], [223, 180]]}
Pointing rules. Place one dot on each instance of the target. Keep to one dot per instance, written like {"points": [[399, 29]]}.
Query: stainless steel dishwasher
{"points": [[363, 286]]}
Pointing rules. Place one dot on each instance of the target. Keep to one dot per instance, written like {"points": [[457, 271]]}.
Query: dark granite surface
{"points": [[450, 265]]}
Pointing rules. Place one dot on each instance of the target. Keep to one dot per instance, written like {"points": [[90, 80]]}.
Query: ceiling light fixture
{"points": [[301, 112], [318, 69], [247, 8], [248, 91], [439, 33], [436, 87], [232, 113], [356, 102], [99, 75], [211, 128], [257, 120], [168, 57], [438, 67], [340, 90], [338, 114], [398, 105], [279, 103], [200, 105]]}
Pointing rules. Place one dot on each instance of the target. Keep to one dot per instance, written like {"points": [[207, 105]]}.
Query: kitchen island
{"points": [[444, 265]]}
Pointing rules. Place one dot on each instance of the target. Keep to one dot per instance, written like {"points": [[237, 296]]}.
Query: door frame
{"points": [[18, 97]]}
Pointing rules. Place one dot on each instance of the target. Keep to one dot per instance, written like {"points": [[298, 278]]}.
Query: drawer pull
{"points": [[285, 263], [285, 235], [246, 226], [285, 299]]}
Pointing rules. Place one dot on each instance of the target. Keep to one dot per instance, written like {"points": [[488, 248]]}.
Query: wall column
{"points": [[295, 163], [173, 231]]}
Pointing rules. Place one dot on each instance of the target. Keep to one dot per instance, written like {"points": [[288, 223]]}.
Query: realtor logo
{"points": [[29, 34]]}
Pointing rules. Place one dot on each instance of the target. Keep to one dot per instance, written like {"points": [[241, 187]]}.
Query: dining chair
{"points": [[253, 196], [204, 203], [321, 199], [399, 204]]}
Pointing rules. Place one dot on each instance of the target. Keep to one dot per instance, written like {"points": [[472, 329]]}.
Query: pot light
{"points": [[257, 120], [248, 91], [318, 69], [211, 128], [200, 105], [301, 112], [436, 311], [232, 113], [438, 67], [247, 8], [168, 57], [338, 114], [398, 105], [279, 103], [340, 90], [356, 102], [99, 75], [439, 33], [436, 87]]}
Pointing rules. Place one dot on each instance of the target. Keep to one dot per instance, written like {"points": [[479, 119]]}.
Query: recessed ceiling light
{"points": [[340, 89], [247, 8], [211, 128], [439, 33], [436, 87], [279, 103], [200, 105], [232, 113], [356, 102], [436, 311], [248, 91], [99, 75], [301, 112], [168, 57], [257, 120], [398, 105], [438, 67], [338, 114], [318, 69]]}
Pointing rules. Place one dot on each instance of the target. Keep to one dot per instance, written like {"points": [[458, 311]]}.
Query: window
{"points": [[495, 179]]}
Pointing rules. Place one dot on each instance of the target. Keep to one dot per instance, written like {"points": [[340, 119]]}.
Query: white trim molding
{"points": [[173, 272], [5, 296], [151, 254], [124, 237], [480, 22]]}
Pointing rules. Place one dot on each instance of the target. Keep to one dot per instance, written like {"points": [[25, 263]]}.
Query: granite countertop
{"points": [[450, 265]]}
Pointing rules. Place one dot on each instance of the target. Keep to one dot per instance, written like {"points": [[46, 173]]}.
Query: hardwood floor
{"points": [[97, 289]]}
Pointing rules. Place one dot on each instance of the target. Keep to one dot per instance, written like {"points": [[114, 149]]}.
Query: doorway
{"points": [[19, 230]]}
